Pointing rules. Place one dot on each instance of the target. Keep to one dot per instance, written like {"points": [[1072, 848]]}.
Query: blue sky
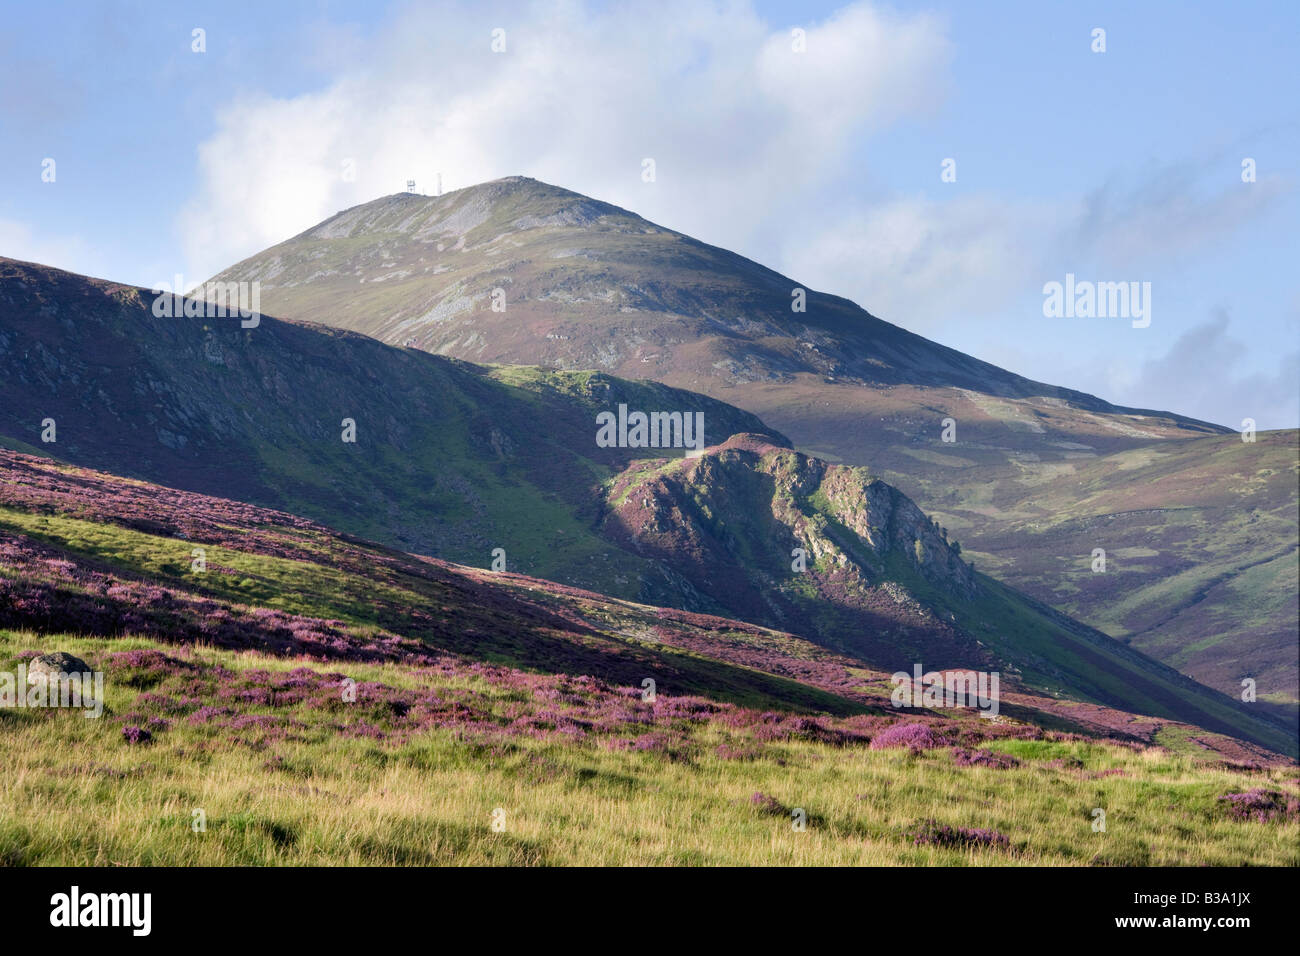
{"points": [[1115, 166]]}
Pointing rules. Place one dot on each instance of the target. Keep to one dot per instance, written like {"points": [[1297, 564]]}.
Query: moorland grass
{"points": [[75, 793]]}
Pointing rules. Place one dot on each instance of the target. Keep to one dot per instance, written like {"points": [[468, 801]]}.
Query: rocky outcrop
{"points": [[784, 538]]}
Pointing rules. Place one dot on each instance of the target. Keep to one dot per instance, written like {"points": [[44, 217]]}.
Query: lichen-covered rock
{"points": [[790, 541], [42, 668]]}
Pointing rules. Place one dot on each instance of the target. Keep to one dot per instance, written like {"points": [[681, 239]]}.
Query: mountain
{"points": [[455, 461], [326, 700], [582, 284], [587, 285], [451, 459]]}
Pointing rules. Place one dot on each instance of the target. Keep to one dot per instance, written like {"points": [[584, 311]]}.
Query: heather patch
{"points": [[769, 805], [1262, 806], [136, 735], [915, 737], [933, 833], [43, 591], [983, 758], [256, 706]]}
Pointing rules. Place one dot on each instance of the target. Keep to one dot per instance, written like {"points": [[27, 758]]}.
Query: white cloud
{"points": [[926, 263], [714, 95], [850, 74], [922, 263]]}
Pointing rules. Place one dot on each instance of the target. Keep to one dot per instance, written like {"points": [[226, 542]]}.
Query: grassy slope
{"points": [[472, 698], [75, 794]]}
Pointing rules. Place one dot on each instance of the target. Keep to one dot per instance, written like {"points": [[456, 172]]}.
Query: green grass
{"points": [[75, 794]]}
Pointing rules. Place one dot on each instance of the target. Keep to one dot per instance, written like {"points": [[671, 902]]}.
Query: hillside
{"points": [[1200, 540], [449, 458], [466, 461], [587, 285], [499, 718]]}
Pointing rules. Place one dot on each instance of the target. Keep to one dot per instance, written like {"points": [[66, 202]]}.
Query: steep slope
{"points": [[449, 458]]}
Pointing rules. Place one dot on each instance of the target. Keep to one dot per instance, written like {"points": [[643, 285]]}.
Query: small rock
{"points": [[42, 668]]}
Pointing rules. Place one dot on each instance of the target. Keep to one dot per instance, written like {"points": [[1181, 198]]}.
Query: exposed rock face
{"points": [[735, 519], [887, 520]]}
